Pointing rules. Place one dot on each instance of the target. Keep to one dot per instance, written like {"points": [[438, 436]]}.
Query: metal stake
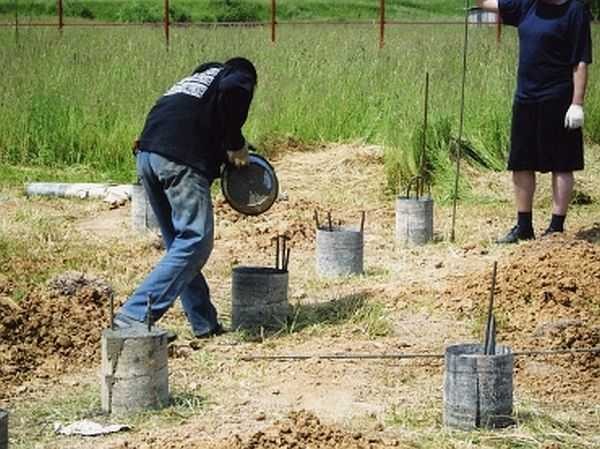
{"points": [[462, 120], [362, 222], [329, 220], [277, 252], [112, 311], [283, 252], [149, 313], [316, 216], [489, 345], [426, 114], [287, 259]]}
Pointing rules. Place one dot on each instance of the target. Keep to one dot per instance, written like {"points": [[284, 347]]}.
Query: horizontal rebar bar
{"points": [[399, 356]]}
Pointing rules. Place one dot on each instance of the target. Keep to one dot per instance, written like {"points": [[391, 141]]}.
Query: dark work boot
{"points": [[517, 234]]}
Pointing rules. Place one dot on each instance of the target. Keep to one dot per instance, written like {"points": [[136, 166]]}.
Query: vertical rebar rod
{"points": [[149, 313], [112, 311], [316, 216], [166, 23], [490, 314], [273, 19], [381, 23], [362, 222], [287, 259], [329, 221], [458, 154], [425, 117], [283, 251]]}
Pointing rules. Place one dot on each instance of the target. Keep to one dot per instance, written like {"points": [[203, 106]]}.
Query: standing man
{"points": [[190, 132], [555, 49]]}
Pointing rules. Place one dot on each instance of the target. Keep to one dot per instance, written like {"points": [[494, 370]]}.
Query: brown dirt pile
{"points": [[300, 430], [61, 323], [304, 430], [547, 297]]}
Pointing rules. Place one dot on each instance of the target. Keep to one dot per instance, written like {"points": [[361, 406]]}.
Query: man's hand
{"points": [[239, 158], [574, 117]]}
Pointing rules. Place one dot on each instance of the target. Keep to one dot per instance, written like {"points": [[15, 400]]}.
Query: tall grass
{"points": [[81, 99], [236, 10]]}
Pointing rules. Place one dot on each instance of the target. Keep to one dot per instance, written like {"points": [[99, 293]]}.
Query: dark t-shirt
{"points": [[553, 39]]}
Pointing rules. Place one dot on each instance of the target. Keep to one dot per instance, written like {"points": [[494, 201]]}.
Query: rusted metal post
{"points": [[381, 23], [17, 22], [273, 19], [60, 12], [167, 24], [498, 29]]}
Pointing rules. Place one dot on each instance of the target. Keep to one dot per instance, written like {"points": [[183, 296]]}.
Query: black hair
{"points": [[244, 65], [206, 66]]}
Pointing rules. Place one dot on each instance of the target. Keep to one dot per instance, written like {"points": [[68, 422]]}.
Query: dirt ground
{"points": [[410, 300]]}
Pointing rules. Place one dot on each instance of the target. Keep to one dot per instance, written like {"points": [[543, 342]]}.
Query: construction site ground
{"points": [[62, 259]]}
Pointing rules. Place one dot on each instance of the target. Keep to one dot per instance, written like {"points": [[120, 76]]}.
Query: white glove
{"points": [[239, 158], [574, 117]]}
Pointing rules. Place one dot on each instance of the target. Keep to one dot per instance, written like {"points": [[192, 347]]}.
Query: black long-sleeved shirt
{"points": [[200, 118]]}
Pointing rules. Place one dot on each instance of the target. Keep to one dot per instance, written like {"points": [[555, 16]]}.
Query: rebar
{"points": [[398, 356], [490, 328], [462, 121]]}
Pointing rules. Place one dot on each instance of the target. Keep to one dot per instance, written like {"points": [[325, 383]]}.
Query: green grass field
{"points": [[236, 10], [72, 104]]}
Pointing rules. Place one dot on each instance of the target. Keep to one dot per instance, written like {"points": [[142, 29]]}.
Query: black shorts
{"points": [[540, 141]]}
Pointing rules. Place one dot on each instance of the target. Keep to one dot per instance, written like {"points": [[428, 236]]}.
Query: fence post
{"points": [[167, 24], [59, 11], [273, 19], [381, 23], [498, 28], [17, 22]]}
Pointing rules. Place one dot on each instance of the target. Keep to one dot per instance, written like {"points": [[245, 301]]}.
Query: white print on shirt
{"points": [[195, 85]]}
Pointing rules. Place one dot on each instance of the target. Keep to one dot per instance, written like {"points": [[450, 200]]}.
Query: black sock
{"points": [[524, 220], [557, 223]]}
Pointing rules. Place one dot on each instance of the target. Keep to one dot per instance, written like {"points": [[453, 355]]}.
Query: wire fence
{"points": [[380, 23]]}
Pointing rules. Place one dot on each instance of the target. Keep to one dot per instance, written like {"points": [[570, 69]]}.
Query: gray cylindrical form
{"points": [[414, 220], [3, 429], [135, 374], [339, 252], [142, 215], [259, 298], [478, 388]]}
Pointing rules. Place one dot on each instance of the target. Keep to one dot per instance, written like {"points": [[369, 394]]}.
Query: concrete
{"points": [[135, 374], [259, 298], [478, 388], [339, 252]]}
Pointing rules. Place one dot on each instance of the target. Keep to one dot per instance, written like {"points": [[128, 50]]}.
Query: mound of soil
{"points": [[547, 296], [304, 430], [301, 429], [60, 323]]}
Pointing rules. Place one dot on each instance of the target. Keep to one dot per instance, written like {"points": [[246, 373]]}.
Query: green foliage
{"points": [[81, 99], [137, 11]]}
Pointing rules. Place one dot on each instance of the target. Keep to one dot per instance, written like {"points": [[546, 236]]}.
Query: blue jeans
{"points": [[180, 199]]}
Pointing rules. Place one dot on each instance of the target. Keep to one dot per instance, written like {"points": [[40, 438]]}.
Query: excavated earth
{"points": [[53, 325], [546, 297]]}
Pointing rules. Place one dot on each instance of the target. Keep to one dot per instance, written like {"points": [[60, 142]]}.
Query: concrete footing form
{"points": [[414, 220], [259, 298], [142, 215], [3, 429], [135, 374], [339, 251], [478, 388]]}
